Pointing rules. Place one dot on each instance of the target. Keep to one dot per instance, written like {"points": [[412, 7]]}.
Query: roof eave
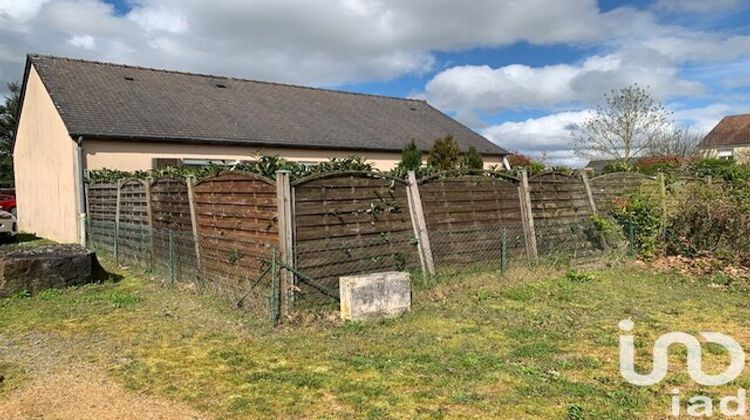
{"points": [[248, 143]]}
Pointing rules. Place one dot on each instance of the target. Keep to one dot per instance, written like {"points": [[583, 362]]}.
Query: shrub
{"points": [[640, 217], [659, 164], [520, 161], [445, 154], [617, 166], [472, 159], [411, 157], [265, 165], [711, 220]]}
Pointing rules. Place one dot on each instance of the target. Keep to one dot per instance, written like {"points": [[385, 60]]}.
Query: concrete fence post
{"points": [[420, 225], [149, 221], [662, 195], [286, 240], [190, 181], [589, 192], [527, 215], [116, 247]]}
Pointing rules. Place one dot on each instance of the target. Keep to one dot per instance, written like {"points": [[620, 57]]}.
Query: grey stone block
{"points": [[53, 266], [377, 295]]}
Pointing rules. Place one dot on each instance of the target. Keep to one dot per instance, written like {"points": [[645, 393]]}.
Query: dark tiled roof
{"points": [[730, 131], [109, 100]]}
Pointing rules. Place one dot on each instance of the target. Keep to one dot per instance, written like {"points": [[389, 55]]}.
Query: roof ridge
{"points": [[239, 79]]}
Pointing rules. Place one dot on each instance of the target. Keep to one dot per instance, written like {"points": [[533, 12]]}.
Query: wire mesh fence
{"points": [[247, 271], [239, 271]]}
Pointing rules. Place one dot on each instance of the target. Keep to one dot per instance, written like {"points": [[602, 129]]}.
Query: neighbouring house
{"points": [[81, 115], [730, 139]]}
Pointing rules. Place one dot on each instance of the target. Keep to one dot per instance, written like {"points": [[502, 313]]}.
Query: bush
{"points": [[640, 218], [445, 154], [519, 161], [411, 157], [711, 220], [472, 159], [265, 165]]}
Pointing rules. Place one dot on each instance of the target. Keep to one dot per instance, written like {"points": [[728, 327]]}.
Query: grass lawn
{"points": [[532, 344]]}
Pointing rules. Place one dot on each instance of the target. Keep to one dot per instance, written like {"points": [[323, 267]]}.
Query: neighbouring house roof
{"points": [[730, 131], [112, 101]]}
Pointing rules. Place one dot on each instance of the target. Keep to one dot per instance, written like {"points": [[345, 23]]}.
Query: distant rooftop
{"points": [[733, 130], [105, 100]]}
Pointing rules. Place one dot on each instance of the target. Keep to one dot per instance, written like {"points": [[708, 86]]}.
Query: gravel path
{"points": [[61, 384]]}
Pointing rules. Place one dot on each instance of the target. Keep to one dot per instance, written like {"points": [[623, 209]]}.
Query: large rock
{"points": [[378, 295], [53, 266]]}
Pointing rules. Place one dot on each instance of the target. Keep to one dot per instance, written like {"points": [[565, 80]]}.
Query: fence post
{"points": [[274, 289], [149, 222], [190, 181], [116, 248], [87, 237], [662, 195], [171, 256], [286, 240], [504, 250], [527, 216], [587, 184], [420, 225]]}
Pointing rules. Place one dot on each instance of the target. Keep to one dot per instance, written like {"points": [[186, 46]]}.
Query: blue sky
{"points": [[520, 73]]}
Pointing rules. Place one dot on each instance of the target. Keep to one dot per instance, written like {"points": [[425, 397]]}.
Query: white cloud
{"points": [[703, 119], [304, 41], [83, 41], [547, 138], [20, 10], [517, 86]]}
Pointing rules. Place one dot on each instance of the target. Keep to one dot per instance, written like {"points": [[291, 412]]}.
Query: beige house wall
{"points": [[134, 155], [740, 154], [45, 174]]}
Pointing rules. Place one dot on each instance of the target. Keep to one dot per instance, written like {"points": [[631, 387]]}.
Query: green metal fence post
{"points": [[275, 310], [171, 256], [504, 251], [116, 245], [631, 240]]}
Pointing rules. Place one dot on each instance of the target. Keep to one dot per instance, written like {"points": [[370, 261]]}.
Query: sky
{"points": [[522, 73]]}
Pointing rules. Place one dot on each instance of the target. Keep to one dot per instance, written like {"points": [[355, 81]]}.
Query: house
{"points": [[730, 139], [81, 115]]}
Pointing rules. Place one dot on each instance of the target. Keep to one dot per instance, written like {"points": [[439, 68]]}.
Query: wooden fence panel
{"points": [[351, 223], [562, 213], [608, 188], [134, 236], [170, 212], [237, 222], [101, 202], [468, 215]]}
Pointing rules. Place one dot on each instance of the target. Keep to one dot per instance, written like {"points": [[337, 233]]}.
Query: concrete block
{"points": [[377, 295]]}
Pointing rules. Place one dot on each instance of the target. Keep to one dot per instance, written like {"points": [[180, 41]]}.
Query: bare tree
{"points": [[682, 142], [624, 127]]}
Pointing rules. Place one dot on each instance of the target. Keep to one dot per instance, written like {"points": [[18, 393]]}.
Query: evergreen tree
{"points": [[8, 114], [411, 157], [445, 154], [472, 159]]}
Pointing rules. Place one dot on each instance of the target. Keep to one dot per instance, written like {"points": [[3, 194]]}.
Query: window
{"points": [[726, 154], [208, 162]]}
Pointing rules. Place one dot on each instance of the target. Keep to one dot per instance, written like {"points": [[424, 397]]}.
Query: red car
{"points": [[8, 203]]}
